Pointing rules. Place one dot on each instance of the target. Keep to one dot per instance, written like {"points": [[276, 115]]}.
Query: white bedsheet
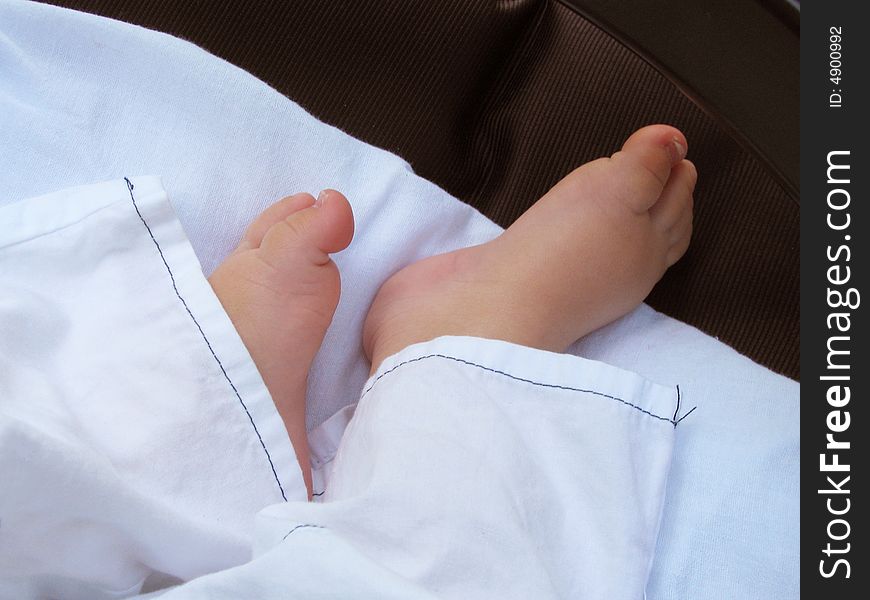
{"points": [[85, 99]]}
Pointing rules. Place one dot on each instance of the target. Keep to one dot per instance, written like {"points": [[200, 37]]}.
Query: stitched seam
{"points": [[673, 421], [302, 526], [684, 416], [207, 343]]}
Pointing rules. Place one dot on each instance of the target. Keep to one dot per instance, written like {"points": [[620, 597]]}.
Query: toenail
{"points": [[678, 151], [321, 199]]}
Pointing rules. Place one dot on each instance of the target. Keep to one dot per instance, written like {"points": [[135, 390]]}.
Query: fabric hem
{"points": [[232, 358], [589, 379], [546, 369]]}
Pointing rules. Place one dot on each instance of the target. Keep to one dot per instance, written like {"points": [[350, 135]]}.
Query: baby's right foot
{"points": [[585, 254], [280, 289]]}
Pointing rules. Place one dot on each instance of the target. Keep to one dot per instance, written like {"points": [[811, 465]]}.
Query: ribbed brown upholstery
{"points": [[495, 101]]}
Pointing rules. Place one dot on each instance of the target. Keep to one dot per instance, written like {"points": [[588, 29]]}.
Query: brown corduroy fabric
{"points": [[496, 101]]}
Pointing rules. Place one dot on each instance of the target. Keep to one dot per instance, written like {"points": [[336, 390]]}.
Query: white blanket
{"points": [[85, 99]]}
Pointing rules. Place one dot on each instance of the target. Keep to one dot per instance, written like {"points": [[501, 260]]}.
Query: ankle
{"points": [[381, 342]]}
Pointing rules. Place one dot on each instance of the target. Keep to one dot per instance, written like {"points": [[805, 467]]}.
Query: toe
{"points": [[333, 229], [274, 214], [646, 160], [675, 200], [659, 147], [324, 227], [681, 230], [680, 243], [672, 214]]}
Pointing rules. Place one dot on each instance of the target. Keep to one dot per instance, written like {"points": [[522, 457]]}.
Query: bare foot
{"points": [[585, 254], [280, 289]]}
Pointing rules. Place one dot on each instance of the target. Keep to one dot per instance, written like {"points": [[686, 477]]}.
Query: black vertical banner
{"points": [[835, 364]]}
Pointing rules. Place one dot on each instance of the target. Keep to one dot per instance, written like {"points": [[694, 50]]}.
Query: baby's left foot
{"points": [[280, 289], [585, 254]]}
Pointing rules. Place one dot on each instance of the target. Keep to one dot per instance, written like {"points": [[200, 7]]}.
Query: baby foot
{"points": [[585, 254], [280, 289]]}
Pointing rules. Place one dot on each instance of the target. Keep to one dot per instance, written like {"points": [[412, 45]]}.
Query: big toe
{"points": [[645, 163], [323, 227]]}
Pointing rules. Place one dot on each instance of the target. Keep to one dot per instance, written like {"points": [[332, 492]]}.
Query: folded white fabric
{"points": [[138, 442], [477, 469], [86, 99], [127, 402]]}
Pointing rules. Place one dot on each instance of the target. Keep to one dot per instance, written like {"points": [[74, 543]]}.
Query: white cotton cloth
{"points": [[138, 442], [480, 469], [85, 99], [125, 413]]}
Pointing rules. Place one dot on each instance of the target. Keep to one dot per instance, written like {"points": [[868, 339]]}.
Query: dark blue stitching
{"points": [[676, 412], [195, 322], [685, 415], [514, 377], [303, 526]]}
